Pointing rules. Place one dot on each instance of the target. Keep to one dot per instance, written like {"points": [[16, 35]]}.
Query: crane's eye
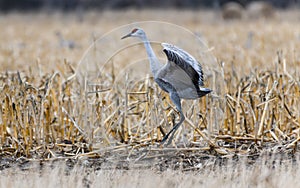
{"points": [[134, 30]]}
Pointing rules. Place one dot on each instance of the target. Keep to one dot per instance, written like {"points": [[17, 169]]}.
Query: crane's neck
{"points": [[154, 63]]}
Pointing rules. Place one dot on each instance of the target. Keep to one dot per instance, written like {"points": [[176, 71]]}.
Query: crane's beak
{"points": [[128, 35]]}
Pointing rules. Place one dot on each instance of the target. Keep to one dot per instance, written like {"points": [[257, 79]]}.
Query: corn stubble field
{"points": [[54, 132]]}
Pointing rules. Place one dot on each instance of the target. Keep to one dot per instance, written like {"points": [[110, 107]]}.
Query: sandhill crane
{"points": [[181, 76]]}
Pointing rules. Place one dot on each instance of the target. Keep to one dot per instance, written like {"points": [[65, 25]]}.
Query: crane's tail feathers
{"points": [[204, 91]]}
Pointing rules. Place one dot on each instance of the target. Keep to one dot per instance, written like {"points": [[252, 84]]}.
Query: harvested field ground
{"points": [[60, 130]]}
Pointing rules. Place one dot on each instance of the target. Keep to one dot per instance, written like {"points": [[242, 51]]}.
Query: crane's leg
{"points": [[176, 100]]}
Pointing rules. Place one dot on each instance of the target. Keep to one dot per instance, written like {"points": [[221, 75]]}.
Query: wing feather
{"points": [[185, 61], [181, 82]]}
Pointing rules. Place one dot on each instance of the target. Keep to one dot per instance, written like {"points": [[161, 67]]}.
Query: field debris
{"points": [[45, 121]]}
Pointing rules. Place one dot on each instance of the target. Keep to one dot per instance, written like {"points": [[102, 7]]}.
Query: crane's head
{"points": [[136, 32]]}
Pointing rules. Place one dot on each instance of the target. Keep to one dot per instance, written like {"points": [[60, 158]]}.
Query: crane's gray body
{"points": [[181, 76]]}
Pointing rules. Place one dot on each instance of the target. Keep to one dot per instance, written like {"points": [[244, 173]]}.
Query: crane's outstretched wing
{"points": [[182, 74], [185, 61], [172, 78]]}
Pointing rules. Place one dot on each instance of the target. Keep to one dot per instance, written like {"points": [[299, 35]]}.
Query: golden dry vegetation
{"points": [[46, 114], [270, 171]]}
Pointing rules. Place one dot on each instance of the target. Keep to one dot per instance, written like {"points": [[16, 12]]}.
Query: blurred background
{"points": [[25, 5]]}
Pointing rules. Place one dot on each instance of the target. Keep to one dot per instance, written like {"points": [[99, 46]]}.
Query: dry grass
{"points": [[266, 171], [47, 115]]}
